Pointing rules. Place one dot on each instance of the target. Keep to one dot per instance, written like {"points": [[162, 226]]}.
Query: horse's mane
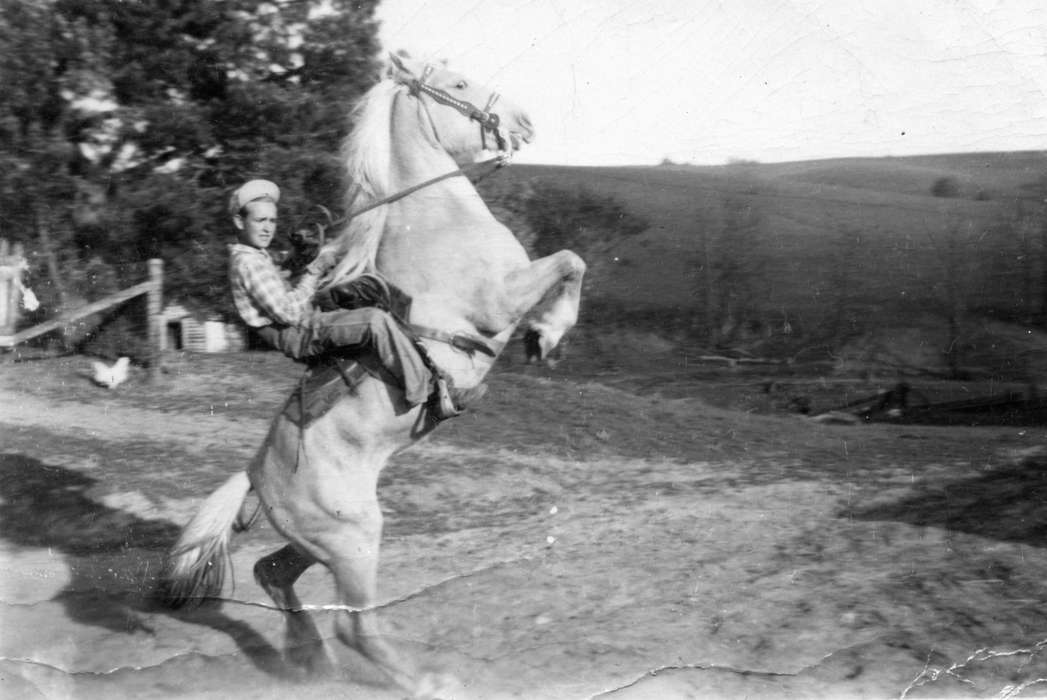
{"points": [[365, 153]]}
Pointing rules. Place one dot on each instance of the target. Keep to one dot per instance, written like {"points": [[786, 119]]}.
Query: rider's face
{"points": [[257, 224]]}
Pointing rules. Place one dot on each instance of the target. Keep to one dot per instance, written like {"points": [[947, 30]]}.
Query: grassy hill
{"points": [[858, 235], [997, 175], [846, 243]]}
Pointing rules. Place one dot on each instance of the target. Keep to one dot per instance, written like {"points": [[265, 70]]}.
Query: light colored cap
{"points": [[253, 191]]}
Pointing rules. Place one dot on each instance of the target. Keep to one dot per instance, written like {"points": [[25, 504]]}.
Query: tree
{"points": [[946, 187], [46, 65], [729, 267], [126, 123], [558, 217], [952, 250], [34, 117], [846, 262], [1031, 220]]}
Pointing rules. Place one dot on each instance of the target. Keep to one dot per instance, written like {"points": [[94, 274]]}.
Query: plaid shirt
{"points": [[261, 295]]}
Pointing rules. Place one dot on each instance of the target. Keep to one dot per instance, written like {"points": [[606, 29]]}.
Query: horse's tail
{"points": [[197, 565]]}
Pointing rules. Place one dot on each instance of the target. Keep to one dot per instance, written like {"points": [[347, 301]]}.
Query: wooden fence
{"points": [[12, 264], [11, 267]]}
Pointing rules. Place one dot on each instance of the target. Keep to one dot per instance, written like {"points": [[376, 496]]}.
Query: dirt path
{"points": [[679, 552], [112, 421]]}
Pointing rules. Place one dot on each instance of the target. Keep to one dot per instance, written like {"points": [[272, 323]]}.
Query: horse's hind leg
{"points": [[276, 574], [355, 568]]}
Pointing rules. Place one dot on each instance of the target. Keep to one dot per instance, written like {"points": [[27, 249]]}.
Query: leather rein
{"points": [[497, 162], [488, 120]]}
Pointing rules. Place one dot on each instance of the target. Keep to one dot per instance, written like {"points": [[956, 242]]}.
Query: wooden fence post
{"points": [[7, 316], [155, 306], [11, 262]]}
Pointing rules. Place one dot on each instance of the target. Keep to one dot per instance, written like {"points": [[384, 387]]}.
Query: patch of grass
{"points": [[869, 226]]}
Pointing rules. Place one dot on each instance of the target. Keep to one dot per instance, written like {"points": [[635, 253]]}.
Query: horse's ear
{"points": [[398, 64]]}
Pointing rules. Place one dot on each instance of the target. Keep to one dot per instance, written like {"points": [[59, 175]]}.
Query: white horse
{"points": [[471, 283]]}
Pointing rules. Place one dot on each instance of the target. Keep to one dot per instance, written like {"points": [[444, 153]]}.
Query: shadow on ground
{"points": [[1005, 504], [113, 555]]}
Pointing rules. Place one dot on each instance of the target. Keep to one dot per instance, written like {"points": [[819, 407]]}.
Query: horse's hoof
{"points": [[311, 660], [437, 686]]}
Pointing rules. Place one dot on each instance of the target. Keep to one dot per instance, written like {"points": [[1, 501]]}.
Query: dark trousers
{"points": [[356, 329]]}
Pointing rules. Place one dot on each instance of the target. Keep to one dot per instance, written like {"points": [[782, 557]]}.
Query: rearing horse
{"points": [[471, 283]]}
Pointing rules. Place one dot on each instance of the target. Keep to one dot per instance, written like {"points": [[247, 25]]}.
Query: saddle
{"points": [[369, 289], [330, 377], [325, 382]]}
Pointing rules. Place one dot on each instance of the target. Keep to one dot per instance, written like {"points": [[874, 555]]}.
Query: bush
{"points": [[576, 219], [945, 187]]}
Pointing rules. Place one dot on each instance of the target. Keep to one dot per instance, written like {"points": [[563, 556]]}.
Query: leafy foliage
{"points": [[123, 125], [577, 219], [945, 187], [547, 217]]}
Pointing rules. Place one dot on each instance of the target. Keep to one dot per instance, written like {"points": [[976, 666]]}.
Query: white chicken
{"points": [[29, 300], [111, 377]]}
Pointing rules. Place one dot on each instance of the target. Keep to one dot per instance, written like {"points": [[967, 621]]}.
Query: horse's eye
{"points": [[461, 85]]}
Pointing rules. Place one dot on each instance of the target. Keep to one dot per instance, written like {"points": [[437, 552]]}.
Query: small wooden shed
{"points": [[185, 331]]}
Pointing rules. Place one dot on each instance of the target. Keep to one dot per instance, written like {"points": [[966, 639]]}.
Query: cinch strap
{"points": [[463, 341]]}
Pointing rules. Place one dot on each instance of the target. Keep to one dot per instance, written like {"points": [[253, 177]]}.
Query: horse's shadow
{"points": [[114, 556], [1005, 504]]}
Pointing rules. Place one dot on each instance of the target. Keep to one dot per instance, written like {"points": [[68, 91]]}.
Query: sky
{"points": [[614, 82]]}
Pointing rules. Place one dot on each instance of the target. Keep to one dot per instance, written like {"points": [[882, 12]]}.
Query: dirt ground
{"points": [[569, 538]]}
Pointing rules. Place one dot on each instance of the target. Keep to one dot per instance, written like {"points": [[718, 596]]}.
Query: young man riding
{"points": [[287, 319]]}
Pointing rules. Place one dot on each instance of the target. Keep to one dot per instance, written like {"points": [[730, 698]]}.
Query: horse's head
{"points": [[465, 118]]}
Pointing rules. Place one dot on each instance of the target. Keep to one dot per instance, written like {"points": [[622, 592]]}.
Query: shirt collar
{"points": [[244, 248]]}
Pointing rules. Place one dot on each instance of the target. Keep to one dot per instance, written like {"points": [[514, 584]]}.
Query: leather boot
{"points": [[448, 402]]}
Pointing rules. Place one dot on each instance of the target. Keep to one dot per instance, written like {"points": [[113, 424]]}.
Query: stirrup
{"points": [[448, 403], [443, 405]]}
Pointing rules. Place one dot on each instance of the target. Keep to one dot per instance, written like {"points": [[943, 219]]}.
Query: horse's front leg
{"points": [[549, 291]]}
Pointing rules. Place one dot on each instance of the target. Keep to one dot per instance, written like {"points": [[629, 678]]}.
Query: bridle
{"points": [[488, 120]]}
